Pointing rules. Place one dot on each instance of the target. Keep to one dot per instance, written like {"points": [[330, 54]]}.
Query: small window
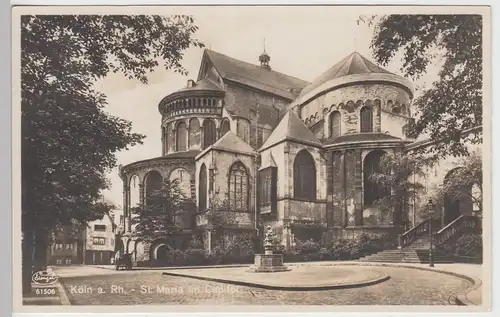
{"points": [[69, 246], [99, 227], [366, 115], [99, 241], [335, 124]]}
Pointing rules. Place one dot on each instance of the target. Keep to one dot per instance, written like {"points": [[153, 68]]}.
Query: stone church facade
{"points": [[278, 151]]}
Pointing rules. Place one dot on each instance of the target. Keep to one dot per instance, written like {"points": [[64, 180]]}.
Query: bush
{"points": [[195, 257], [340, 249]]}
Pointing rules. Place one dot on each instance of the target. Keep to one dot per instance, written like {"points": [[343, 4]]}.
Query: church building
{"points": [[265, 149]]}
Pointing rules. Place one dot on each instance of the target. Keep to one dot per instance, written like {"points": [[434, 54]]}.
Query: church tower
{"points": [[264, 58]]}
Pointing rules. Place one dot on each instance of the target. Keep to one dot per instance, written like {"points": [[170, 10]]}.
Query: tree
{"points": [[158, 215], [464, 182], [68, 141], [454, 103], [400, 173]]}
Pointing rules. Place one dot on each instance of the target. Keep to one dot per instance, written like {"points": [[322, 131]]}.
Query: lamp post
{"points": [[431, 207]]}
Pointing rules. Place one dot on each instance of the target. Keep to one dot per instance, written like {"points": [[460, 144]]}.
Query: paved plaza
{"points": [[86, 285]]}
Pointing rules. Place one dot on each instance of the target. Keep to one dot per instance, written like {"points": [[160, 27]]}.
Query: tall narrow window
{"points": [[181, 136], [366, 116], [304, 176], [238, 187], [209, 133], [371, 166], [224, 127], [268, 189], [335, 124], [153, 182], [169, 139], [202, 188], [194, 133]]}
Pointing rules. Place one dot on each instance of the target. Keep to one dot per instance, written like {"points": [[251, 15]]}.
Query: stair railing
{"points": [[461, 224], [411, 235]]}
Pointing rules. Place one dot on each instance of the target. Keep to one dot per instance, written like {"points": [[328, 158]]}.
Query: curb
{"points": [[373, 281], [63, 295], [457, 299]]}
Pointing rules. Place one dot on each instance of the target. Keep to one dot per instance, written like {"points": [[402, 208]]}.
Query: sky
{"points": [[302, 42]]}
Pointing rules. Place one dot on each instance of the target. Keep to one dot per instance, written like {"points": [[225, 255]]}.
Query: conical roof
{"points": [[355, 63], [293, 129], [204, 84]]}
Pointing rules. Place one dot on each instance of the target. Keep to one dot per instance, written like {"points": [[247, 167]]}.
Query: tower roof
{"points": [[291, 128], [354, 63], [204, 84]]}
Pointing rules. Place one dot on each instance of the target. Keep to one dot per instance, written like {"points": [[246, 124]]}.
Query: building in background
{"points": [[67, 246], [100, 238], [94, 244]]}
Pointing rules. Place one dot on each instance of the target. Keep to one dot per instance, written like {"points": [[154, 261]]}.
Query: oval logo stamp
{"points": [[44, 278]]}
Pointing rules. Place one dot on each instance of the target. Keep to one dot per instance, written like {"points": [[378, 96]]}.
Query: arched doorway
{"points": [[162, 253]]}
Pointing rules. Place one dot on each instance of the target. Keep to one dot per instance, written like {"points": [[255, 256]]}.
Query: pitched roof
{"points": [[293, 129], [361, 137], [354, 63], [256, 76], [232, 143]]}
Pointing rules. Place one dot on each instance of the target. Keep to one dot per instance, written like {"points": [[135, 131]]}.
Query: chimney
{"points": [[190, 83]]}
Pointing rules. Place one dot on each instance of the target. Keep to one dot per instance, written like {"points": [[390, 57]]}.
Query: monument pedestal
{"points": [[269, 263]]}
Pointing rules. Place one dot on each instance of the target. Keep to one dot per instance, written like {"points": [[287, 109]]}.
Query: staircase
{"points": [[414, 244]]}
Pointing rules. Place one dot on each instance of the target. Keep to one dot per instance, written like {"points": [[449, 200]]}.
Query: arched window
{"points": [[304, 176], [209, 133], [202, 188], [366, 116], [134, 191], [164, 140], [224, 127], [194, 133], [335, 124], [181, 136], [153, 184], [371, 166], [238, 187], [169, 139]]}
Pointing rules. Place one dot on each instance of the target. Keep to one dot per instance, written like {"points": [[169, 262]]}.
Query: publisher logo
{"points": [[44, 278]]}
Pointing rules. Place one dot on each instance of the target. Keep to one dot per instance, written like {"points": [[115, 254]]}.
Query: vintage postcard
{"points": [[252, 158]]}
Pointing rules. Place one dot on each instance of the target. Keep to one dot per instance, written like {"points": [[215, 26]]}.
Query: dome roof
{"points": [[354, 64]]}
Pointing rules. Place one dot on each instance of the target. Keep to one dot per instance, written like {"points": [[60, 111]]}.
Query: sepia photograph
{"points": [[331, 157]]}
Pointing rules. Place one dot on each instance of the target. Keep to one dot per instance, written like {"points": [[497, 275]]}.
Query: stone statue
{"points": [[268, 241]]}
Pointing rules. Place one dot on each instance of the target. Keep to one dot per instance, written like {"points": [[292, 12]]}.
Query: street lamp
{"points": [[431, 207]]}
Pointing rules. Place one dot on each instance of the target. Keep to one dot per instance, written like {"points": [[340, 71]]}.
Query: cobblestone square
{"points": [[405, 287]]}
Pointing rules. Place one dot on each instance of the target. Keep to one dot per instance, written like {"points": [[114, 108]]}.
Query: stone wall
{"points": [[221, 163], [262, 111], [349, 101]]}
